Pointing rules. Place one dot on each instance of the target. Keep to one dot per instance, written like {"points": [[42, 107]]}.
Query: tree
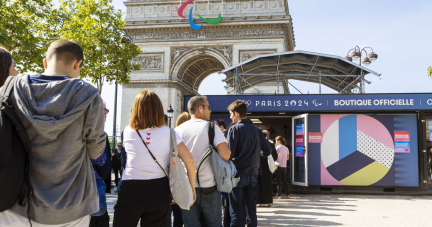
{"points": [[430, 71], [23, 31], [28, 28], [97, 26]]}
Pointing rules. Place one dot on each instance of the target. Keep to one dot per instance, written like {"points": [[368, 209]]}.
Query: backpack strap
{"points": [[7, 89], [211, 132], [211, 135]]}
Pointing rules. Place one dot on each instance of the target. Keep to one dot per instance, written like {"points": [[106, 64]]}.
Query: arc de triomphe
{"points": [[176, 58]]}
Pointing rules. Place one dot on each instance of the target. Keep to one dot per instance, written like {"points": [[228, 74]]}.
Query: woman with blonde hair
{"points": [[281, 172], [145, 192], [185, 116]]}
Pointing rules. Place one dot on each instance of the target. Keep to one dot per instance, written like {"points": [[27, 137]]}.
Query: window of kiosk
{"points": [[299, 151]]}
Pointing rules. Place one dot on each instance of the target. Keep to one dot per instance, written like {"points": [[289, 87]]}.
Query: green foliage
{"points": [[97, 26], [430, 71], [22, 31], [28, 28]]}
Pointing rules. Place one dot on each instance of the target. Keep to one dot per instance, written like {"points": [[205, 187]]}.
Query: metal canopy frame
{"points": [[297, 65]]}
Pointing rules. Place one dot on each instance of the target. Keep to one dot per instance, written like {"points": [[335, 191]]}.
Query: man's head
{"points": [[199, 107], [119, 146], [237, 110], [221, 124], [65, 56], [267, 134], [272, 138]]}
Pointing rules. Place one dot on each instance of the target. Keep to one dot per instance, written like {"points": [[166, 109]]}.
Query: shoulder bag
{"points": [[180, 187]]}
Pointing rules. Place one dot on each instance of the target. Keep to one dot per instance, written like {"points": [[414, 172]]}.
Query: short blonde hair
{"points": [[185, 116], [147, 111]]}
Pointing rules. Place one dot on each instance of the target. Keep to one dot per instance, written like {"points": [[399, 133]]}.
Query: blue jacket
{"points": [[246, 141]]}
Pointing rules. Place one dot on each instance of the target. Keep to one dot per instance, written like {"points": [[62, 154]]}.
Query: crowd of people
{"points": [[71, 162]]}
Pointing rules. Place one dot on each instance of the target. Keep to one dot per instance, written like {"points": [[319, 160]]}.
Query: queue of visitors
{"points": [[69, 160]]}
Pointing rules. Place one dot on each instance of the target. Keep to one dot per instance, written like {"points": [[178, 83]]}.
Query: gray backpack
{"points": [[224, 171]]}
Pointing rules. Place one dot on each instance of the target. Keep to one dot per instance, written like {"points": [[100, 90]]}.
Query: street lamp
{"points": [[170, 115], [356, 54]]}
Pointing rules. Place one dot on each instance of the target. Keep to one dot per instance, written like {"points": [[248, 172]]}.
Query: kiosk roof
{"points": [[336, 72]]}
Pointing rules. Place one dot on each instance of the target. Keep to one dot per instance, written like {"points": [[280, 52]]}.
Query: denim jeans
{"points": [[247, 187], [210, 206]]}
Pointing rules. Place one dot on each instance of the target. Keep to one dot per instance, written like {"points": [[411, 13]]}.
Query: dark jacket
{"points": [[116, 159], [105, 171], [246, 141], [123, 153], [273, 152]]}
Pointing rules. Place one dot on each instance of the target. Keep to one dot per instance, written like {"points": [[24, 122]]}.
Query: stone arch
{"points": [[192, 66]]}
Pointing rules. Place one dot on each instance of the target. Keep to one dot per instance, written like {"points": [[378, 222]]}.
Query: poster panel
{"points": [[363, 150]]}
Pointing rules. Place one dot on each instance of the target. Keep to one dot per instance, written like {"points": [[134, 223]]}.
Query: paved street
{"points": [[341, 210]]}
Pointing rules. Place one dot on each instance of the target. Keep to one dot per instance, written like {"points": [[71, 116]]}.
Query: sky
{"points": [[400, 32]]}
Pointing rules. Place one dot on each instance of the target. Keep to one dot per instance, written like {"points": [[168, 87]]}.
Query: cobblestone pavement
{"points": [[341, 210]]}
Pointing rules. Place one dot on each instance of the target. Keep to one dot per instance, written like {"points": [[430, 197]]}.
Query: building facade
{"points": [[176, 58]]}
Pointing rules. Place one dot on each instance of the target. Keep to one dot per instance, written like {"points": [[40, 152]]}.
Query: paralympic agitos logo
{"points": [[191, 22]]}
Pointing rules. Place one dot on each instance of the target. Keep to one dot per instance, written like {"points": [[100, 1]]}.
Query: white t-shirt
{"points": [[140, 164], [195, 136]]}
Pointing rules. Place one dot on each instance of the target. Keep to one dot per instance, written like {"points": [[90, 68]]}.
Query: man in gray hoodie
{"points": [[64, 119]]}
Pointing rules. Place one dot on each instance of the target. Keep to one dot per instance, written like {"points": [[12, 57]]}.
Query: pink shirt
{"points": [[282, 152]]}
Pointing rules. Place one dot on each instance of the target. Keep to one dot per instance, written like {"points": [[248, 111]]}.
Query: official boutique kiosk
{"points": [[369, 142]]}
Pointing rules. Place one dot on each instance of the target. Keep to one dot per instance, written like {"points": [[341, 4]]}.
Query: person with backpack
{"points": [[63, 118], [145, 192], [7, 65], [246, 142], [195, 134]]}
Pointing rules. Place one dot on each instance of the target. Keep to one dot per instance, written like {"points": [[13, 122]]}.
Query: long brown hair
{"points": [[185, 116], [281, 140], [147, 111], [5, 64]]}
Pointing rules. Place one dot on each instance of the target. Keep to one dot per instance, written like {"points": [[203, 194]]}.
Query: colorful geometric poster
{"points": [[315, 137], [402, 147], [299, 140], [363, 150], [300, 129], [299, 151], [401, 136]]}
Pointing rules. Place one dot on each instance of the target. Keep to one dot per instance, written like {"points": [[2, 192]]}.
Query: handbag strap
{"points": [[154, 158], [173, 143]]}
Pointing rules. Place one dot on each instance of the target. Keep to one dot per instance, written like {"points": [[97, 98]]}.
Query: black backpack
{"points": [[15, 153]]}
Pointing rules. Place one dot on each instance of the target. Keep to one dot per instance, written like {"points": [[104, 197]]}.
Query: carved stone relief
{"points": [[150, 61], [248, 33], [248, 54], [226, 51]]}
